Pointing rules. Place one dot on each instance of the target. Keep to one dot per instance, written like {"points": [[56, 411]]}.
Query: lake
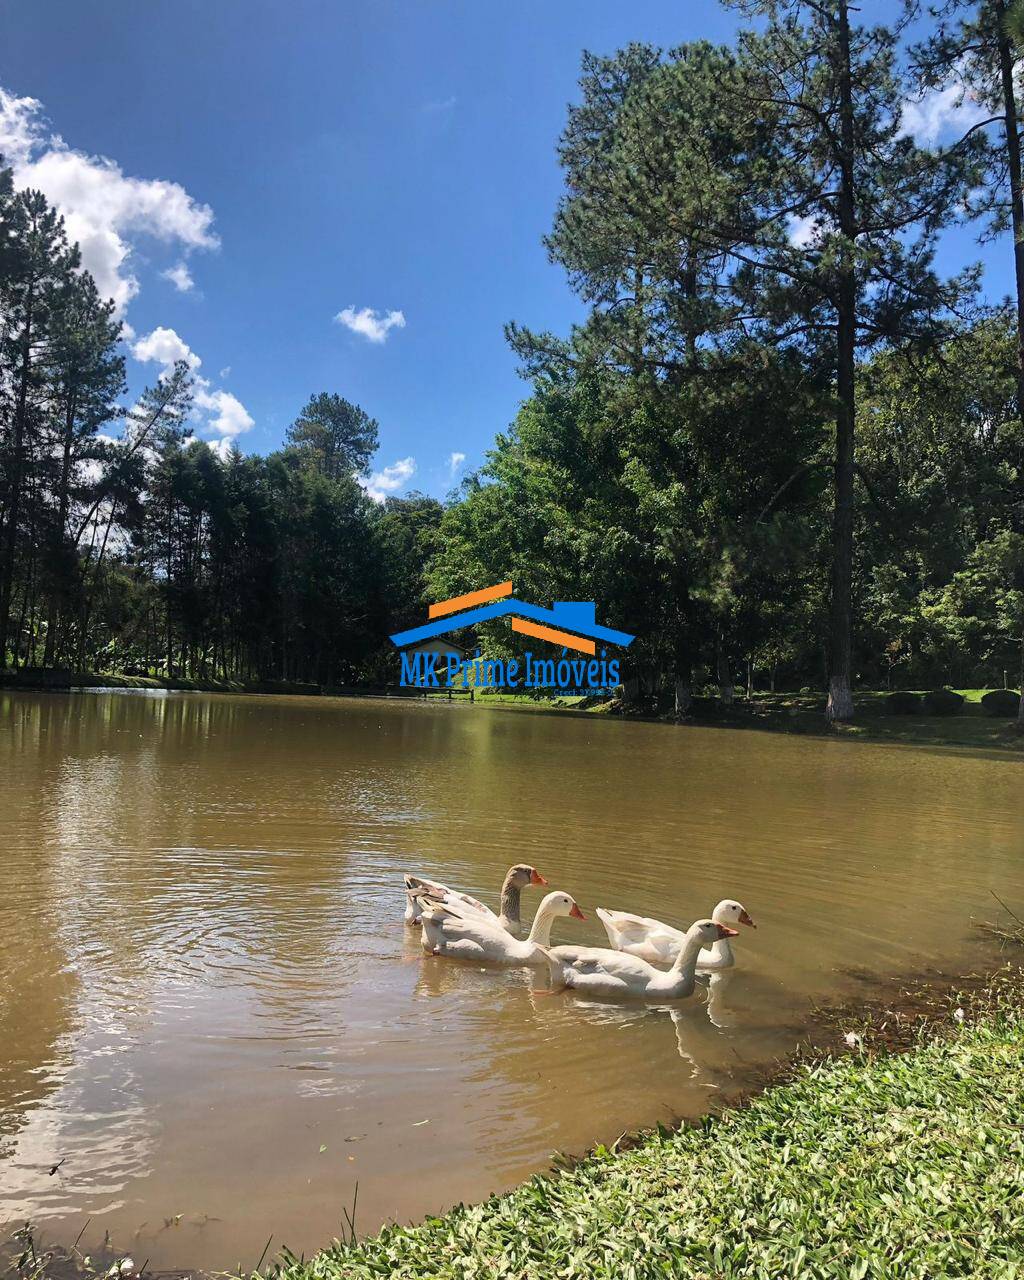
{"points": [[211, 1012]]}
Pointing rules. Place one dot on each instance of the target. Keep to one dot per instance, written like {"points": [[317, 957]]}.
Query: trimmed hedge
{"points": [[943, 702], [1001, 703], [903, 703]]}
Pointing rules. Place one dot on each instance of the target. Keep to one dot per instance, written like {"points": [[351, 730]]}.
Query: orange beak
{"points": [[577, 912], [725, 932], [745, 919], [537, 878]]}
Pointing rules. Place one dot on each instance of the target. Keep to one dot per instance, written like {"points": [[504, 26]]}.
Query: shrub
{"points": [[1002, 703], [943, 702], [902, 703]]}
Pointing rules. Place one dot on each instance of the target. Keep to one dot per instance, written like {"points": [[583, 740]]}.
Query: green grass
{"points": [[805, 714], [867, 1165]]}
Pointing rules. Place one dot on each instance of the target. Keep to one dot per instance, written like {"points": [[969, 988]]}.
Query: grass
{"points": [[805, 714], [872, 1164], [778, 713]]}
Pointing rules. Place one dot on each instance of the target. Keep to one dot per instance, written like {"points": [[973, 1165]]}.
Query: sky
{"points": [[321, 195]]}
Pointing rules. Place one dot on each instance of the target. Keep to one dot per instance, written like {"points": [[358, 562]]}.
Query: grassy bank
{"points": [[869, 1164], [62, 680], [776, 713], [805, 714]]}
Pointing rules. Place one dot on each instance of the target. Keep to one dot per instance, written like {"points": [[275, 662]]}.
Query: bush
{"points": [[1003, 703], [943, 702], [903, 704]]}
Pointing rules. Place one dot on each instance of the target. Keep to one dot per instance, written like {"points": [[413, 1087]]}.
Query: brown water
{"points": [[211, 1012]]}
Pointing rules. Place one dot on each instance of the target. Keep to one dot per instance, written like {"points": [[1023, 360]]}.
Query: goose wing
{"points": [[626, 931], [602, 960], [456, 920], [417, 886]]}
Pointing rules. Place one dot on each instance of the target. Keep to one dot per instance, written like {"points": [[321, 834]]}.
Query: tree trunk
{"points": [[840, 695], [726, 689], [52, 612], [1013, 164], [17, 472]]}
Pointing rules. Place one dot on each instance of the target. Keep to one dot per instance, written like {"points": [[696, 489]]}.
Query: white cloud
{"points": [[18, 128], [228, 416], [104, 210], [940, 112], [804, 231], [455, 461], [222, 415], [180, 276], [225, 372], [369, 323], [389, 479], [163, 346]]}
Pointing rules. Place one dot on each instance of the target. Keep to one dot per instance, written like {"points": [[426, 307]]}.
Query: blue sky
{"points": [[243, 172]]}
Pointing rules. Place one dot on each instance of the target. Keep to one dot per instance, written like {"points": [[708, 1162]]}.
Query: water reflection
{"points": [[209, 1006]]}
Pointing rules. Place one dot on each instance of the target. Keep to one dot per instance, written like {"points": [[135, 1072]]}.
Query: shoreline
{"points": [[905, 1031], [834, 1166], [783, 713]]}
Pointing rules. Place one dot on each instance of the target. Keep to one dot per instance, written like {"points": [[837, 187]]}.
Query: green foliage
{"points": [[336, 437], [124, 543], [776, 445]]}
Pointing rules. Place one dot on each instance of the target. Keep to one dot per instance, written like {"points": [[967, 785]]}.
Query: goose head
{"points": [[731, 912], [523, 875], [560, 904], [555, 904], [701, 936], [708, 932]]}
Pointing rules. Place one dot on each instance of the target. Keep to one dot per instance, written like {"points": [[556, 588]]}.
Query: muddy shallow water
{"points": [[211, 1011]]}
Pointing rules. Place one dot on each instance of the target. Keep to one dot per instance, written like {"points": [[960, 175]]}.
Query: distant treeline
{"points": [[780, 443]]}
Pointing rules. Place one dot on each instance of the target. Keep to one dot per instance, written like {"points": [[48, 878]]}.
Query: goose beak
{"points": [[745, 919], [725, 932], [537, 878], [577, 912]]}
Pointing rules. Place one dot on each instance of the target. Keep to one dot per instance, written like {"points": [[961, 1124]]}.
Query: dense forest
{"points": [[783, 447]]}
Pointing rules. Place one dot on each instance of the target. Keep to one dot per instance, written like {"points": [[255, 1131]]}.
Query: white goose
{"points": [[516, 879], [450, 930], [659, 943], [598, 971]]}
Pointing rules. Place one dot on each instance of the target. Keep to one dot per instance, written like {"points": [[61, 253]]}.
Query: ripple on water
{"points": [[205, 979]]}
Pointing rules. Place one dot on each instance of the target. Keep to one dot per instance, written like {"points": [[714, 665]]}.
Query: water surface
{"points": [[211, 1011]]}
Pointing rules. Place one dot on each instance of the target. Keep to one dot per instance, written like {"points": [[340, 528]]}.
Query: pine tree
{"points": [[978, 47], [835, 247], [338, 437], [36, 268]]}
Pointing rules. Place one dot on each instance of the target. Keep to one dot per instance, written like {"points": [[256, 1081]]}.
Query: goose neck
{"points": [[511, 900], [540, 931]]}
